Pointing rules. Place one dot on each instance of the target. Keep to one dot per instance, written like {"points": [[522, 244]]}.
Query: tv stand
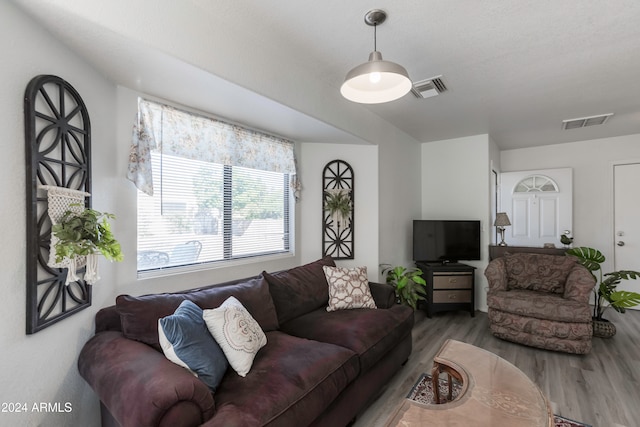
{"points": [[450, 286]]}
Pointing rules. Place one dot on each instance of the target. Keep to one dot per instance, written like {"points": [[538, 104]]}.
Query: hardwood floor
{"points": [[601, 388]]}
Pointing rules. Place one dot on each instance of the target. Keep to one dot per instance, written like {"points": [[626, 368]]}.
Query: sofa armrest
{"points": [[140, 386], [383, 294], [496, 274], [579, 284]]}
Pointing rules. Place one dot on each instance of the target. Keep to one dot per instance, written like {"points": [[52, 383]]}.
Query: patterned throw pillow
{"points": [[348, 288], [185, 341], [237, 333]]}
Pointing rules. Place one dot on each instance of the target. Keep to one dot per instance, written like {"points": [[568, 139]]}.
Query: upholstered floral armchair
{"points": [[541, 301]]}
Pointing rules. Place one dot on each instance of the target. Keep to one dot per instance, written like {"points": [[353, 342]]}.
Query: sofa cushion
{"points": [[237, 333], [573, 331], [369, 333], [292, 382], [139, 315], [538, 272], [348, 288], [299, 290], [568, 337], [547, 306], [186, 341]]}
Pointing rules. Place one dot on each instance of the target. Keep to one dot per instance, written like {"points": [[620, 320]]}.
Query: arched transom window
{"points": [[536, 183]]}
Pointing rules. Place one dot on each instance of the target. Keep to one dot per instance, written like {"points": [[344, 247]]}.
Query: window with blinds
{"points": [[201, 211]]}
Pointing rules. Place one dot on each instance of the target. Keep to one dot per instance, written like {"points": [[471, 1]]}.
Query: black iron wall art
{"points": [[337, 210], [58, 153]]}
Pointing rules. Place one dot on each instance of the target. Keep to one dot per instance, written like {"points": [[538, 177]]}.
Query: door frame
{"points": [[495, 176], [612, 203]]}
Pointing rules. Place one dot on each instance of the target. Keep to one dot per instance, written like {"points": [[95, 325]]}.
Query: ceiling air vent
{"points": [[585, 121], [428, 88]]}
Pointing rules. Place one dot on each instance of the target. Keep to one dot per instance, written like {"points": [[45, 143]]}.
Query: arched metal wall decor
{"points": [[337, 229], [58, 153]]}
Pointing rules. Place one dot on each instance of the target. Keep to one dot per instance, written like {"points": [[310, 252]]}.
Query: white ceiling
{"points": [[514, 69]]}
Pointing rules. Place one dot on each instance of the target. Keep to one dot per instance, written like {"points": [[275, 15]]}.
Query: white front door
{"points": [[539, 205], [626, 193]]}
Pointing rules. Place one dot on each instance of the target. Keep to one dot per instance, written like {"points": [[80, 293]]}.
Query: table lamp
{"points": [[501, 222]]}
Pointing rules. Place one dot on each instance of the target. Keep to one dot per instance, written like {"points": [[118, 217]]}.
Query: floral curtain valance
{"points": [[171, 131]]}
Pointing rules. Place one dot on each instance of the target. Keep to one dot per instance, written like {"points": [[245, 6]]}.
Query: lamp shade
{"points": [[502, 220], [376, 81]]}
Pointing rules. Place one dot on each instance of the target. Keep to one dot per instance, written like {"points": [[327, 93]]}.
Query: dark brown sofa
{"points": [[318, 368], [541, 301]]}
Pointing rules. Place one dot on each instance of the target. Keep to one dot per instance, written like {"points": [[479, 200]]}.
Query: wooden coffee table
{"points": [[494, 393]]}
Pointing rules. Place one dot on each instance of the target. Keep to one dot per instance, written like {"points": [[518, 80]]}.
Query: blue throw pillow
{"points": [[186, 341]]}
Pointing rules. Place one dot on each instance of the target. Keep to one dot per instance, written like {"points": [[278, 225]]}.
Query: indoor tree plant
{"points": [[338, 204], [408, 283], [605, 293]]}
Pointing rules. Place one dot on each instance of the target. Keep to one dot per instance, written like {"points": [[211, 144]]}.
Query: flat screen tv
{"points": [[446, 241]]}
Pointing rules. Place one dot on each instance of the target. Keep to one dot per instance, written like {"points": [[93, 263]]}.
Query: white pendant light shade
{"points": [[376, 81]]}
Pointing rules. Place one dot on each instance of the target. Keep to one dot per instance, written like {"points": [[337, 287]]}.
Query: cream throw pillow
{"points": [[236, 332], [348, 288]]}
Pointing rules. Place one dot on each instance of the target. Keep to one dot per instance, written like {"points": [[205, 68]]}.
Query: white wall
{"points": [[456, 185], [387, 199], [42, 367], [592, 163], [363, 159], [400, 185]]}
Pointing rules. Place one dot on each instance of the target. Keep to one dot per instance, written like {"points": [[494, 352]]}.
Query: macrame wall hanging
{"points": [[58, 166], [337, 210]]}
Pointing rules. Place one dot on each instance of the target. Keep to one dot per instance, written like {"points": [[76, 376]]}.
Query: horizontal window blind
{"points": [[208, 212]]}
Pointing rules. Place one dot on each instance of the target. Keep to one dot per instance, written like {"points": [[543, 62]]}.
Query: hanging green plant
{"points": [[338, 204], [85, 233]]}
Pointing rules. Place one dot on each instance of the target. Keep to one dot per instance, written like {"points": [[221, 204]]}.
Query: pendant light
{"points": [[376, 81]]}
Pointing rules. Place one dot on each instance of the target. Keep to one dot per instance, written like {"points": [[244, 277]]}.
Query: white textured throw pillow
{"points": [[348, 288], [236, 332]]}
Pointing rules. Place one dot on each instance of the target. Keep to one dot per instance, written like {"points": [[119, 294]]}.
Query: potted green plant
{"points": [[408, 283], [605, 293], [338, 204], [85, 233]]}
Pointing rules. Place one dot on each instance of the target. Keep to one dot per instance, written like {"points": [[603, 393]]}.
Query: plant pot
{"points": [[603, 328]]}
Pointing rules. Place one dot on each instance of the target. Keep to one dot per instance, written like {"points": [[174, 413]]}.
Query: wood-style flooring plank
{"points": [[601, 388]]}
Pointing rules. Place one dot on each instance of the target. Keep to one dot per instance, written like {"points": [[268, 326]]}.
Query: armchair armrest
{"points": [[383, 294], [496, 274], [579, 285], [140, 386]]}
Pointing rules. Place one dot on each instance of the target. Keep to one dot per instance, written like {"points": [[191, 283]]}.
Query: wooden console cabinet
{"points": [[449, 287]]}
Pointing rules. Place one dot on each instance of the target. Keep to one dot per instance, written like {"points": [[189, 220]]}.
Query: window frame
{"points": [[228, 260]]}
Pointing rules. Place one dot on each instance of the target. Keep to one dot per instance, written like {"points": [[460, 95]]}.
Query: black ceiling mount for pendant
{"points": [[58, 153]]}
